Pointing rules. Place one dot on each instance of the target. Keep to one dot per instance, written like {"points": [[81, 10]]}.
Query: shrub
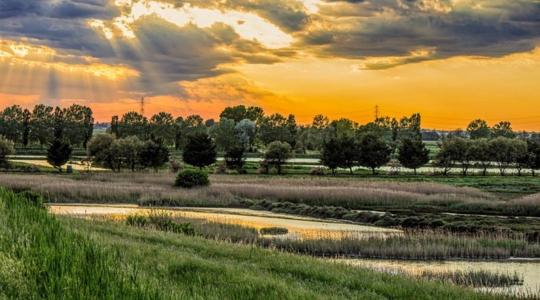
{"points": [[273, 230], [192, 178], [176, 166], [6, 148], [221, 168], [137, 220]]}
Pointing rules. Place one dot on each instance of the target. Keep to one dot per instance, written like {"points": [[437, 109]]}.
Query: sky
{"points": [[450, 60]]}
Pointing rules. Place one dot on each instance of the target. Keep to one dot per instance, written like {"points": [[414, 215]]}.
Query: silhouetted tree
{"points": [[374, 152], [153, 154], [200, 150], [58, 154], [332, 154], [413, 153], [277, 154], [478, 129], [235, 157], [503, 129]]}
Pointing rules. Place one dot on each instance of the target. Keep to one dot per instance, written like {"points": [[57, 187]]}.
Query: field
{"points": [[80, 259], [437, 218]]}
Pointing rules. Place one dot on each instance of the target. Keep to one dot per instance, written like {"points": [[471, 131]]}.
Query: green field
{"points": [[70, 258]]}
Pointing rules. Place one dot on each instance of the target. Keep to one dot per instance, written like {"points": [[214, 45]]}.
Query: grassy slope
{"points": [[44, 258], [198, 268]]}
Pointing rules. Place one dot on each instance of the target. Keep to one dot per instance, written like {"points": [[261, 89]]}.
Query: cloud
{"points": [[364, 29]]}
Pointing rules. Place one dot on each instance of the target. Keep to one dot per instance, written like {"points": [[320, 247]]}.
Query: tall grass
{"points": [[39, 259], [157, 189], [480, 278]]}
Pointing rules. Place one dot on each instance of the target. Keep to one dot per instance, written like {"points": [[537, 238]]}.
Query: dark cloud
{"points": [[363, 29]]}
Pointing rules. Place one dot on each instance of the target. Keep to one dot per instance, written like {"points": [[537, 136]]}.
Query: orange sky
{"points": [[190, 59]]}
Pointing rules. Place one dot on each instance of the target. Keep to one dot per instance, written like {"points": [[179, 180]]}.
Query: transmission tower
{"points": [[376, 112], [142, 105]]}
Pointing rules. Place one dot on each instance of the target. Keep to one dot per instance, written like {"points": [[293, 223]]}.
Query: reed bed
{"points": [[479, 278]]}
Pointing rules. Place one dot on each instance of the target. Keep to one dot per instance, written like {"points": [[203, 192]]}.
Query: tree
{"points": [[332, 155], [11, 123], [153, 154], [41, 122], [445, 158], [79, 124], [413, 153], [6, 148], [478, 129], [278, 128], [235, 158], [99, 150], [460, 151], [58, 154], [533, 149], [350, 150], [26, 128], [240, 112], [277, 154], [481, 153], [522, 155], [58, 124], [133, 124], [246, 131], [373, 152], [341, 128], [162, 127], [224, 134], [503, 129], [410, 127], [503, 152], [200, 150], [127, 150]]}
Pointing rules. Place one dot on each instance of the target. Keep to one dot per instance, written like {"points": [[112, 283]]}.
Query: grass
{"points": [[79, 259], [475, 278], [412, 244]]}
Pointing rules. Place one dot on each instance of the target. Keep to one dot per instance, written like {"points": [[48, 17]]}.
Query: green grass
{"points": [[76, 259]]}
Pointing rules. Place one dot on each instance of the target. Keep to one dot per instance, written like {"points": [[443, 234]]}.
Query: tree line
{"points": [[136, 142]]}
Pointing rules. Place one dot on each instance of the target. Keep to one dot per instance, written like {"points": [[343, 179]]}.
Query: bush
{"points": [[192, 178], [176, 166], [273, 231]]}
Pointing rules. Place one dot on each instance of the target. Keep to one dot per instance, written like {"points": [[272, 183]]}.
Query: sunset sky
{"points": [[450, 60]]}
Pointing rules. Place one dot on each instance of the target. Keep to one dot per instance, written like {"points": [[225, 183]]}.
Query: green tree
{"points": [[58, 124], [41, 122], [478, 129], [224, 134], [235, 157], [127, 150], [153, 154], [200, 150], [332, 155], [98, 150], [278, 128], [26, 127], [413, 153], [162, 126], [374, 152], [481, 153], [240, 112], [522, 155], [503, 129], [277, 154], [246, 131], [58, 153], [6, 148], [460, 151], [533, 149], [11, 123], [503, 152], [133, 124], [410, 127], [79, 124]]}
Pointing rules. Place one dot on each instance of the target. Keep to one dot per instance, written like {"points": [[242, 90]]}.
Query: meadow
{"points": [[70, 258]]}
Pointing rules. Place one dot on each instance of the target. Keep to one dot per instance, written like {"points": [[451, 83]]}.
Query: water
{"points": [[528, 270], [298, 227]]}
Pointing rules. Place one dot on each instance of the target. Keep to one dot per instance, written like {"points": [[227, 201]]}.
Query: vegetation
{"points": [[200, 151], [277, 154], [413, 154], [78, 259], [58, 154], [475, 278], [6, 148], [192, 178]]}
